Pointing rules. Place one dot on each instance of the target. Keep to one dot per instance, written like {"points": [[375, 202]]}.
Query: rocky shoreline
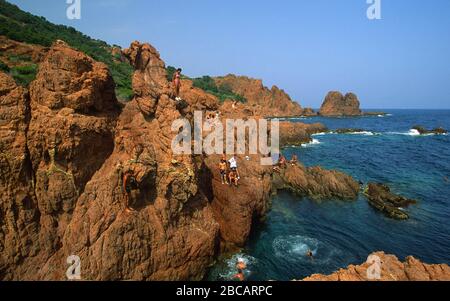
{"points": [[389, 268], [66, 143]]}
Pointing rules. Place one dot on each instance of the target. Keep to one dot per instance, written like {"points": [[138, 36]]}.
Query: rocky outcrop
{"points": [[14, 53], [315, 182], [380, 197], [295, 133], [336, 104], [348, 131], [261, 100], [391, 269], [237, 208], [70, 79], [424, 131]]}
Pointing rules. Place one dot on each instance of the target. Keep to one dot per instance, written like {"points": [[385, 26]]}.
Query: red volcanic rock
{"points": [[316, 182], [68, 78], [296, 133], [19, 217], [336, 104], [265, 102], [149, 78], [237, 208], [391, 270], [10, 48]]}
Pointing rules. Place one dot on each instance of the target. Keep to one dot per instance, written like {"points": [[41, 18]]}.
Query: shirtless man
{"points": [[176, 81]]}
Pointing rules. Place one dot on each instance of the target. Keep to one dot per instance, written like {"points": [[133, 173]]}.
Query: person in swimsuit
{"points": [[239, 276], [176, 81], [233, 177], [294, 160], [223, 170]]}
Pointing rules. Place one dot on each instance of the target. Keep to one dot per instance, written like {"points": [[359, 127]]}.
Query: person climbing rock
{"points": [[129, 184], [176, 81], [240, 265], [223, 170]]}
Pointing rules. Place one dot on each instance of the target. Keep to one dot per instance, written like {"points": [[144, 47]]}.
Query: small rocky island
{"points": [[338, 105], [380, 197], [423, 131]]}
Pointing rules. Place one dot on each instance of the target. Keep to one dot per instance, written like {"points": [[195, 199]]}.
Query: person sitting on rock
{"points": [[282, 161], [233, 178], [223, 170], [176, 82], [234, 166], [294, 160], [129, 184]]}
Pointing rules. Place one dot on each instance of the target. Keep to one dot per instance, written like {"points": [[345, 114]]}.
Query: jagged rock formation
{"points": [[392, 269], [380, 197], [316, 182], [336, 104], [261, 100], [295, 134]]}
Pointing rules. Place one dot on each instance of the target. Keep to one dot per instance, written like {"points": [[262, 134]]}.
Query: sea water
{"points": [[340, 233]]}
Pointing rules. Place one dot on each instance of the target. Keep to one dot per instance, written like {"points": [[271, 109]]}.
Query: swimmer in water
{"points": [[241, 265], [239, 276], [310, 254]]}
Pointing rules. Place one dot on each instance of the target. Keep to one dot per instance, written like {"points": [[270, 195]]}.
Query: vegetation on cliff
{"points": [[25, 27], [207, 84]]}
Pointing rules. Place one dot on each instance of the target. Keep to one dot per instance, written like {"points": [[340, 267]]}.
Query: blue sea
{"points": [[345, 232]]}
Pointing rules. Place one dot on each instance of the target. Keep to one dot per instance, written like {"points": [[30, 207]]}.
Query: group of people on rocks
{"points": [[229, 173], [282, 162]]}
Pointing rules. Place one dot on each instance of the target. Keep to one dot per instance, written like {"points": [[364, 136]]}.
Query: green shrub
{"points": [[17, 58], [4, 67], [170, 70], [223, 92], [24, 75]]}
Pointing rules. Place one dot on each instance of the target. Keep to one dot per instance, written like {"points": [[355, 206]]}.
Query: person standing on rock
{"points": [[223, 170], [176, 82]]}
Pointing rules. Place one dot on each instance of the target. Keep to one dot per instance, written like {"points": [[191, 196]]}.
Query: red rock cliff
{"points": [[264, 101]]}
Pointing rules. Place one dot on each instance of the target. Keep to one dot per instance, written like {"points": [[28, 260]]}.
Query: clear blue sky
{"points": [[306, 47]]}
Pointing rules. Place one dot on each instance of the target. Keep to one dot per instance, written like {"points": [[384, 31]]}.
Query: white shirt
{"points": [[233, 163]]}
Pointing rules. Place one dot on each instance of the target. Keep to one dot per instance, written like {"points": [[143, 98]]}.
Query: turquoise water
{"points": [[341, 233]]}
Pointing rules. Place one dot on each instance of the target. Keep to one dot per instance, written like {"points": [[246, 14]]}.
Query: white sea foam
{"points": [[294, 246], [321, 134], [411, 132], [365, 133], [312, 143], [231, 269]]}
